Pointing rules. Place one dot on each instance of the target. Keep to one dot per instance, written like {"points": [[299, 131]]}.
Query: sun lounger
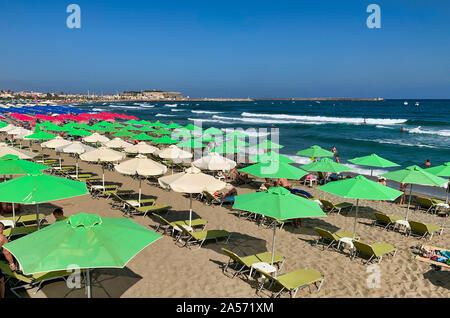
{"points": [[22, 230], [385, 220], [427, 204], [436, 264], [172, 226], [24, 219], [29, 280], [147, 208], [292, 282], [211, 199], [329, 239], [243, 264], [423, 230], [375, 251], [202, 236], [331, 207], [124, 204]]}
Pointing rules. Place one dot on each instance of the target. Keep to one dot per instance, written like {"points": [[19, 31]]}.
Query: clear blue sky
{"points": [[229, 48]]}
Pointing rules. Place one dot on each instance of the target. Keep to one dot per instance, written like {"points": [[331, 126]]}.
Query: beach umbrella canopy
{"points": [[79, 132], [41, 135], [83, 239], [441, 171], [141, 166], [158, 124], [358, 188], [236, 134], [3, 124], [173, 126], [145, 129], [280, 204], [274, 169], [132, 122], [165, 140], [123, 133], [225, 149], [414, 175], [190, 143], [117, 143], [162, 131], [326, 165], [213, 131], [103, 129], [206, 138], [182, 133], [142, 137], [118, 125], [271, 156], [77, 148], [373, 160], [268, 144], [22, 154], [18, 131], [192, 180], [12, 165], [214, 161], [141, 148], [235, 142], [56, 143], [96, 137], [71, 125], [192, 127], [102, 154], [315, 151], [174, 153], [8, 128]]}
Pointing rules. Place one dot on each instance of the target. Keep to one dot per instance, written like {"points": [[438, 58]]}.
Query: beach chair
{"points": [[329, 239], [243, 264], [27, 218], [211, 199], [19, 280], [146, 209], [423, 230], [385, 220], [202, 236], [119, 202], [437, 265], [331, 207], [292, 282], [375, 251], [269, 222], [172, 226], [427, 204]]}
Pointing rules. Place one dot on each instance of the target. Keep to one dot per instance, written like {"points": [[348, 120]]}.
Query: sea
{"points": [[407, 132]]}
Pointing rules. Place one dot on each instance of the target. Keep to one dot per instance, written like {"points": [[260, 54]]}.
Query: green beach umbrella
{"points": [[3, 124], [414, 175], [373, 160], [71, 125], [40, 135], [162, 131], [225, 149], [40, 188], [268, 144], [213, 131], [236, 134], [79, 132], [190, 143], [358, 188], [143, 122], [182, 133], [123, 133], [165, 140], [84, 126], [280, 204], [145, 129], [158, 124], [441, 171], [105, 123], [118, 125], [236, 142], [274, 169], [173, 126], [326, 165], [142, 137], [103, 129], [132, 122], [192, 127], [205, 138], [315, 151], [86, 240], [271, 156]]}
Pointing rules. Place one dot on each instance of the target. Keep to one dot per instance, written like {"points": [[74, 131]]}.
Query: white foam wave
{"points": [[396, 142], [98, 109], [385, 127], [164, 115], [178, 110], [252, 120], [171, 105], [419, 130], [205, 112], [209, 120], [124, 107], [329, 120]]}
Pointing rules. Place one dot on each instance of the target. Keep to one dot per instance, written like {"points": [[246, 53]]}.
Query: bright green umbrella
{"points": [[3, 124], [441, 171], [105, 123], [86, 240], [414, 175], [132, 121], [143, 122], [236, 142], [225, 149], [274, 169], [192, 127], [358, 188], [40, 135], [271, 156], [40, 188], [79, 132], [373, 160], [268, 144], [158, 124], [118, 125], [162, 131], [190, 143], [103, 128], [326, 165], [145, 129], [205, 138], [173, 126], [84, 126], [182, 133], [71, 125], [315, 151], [278, 203], [213, 131], [142, 137], [123, 133], [165, 140], [236, 134]]}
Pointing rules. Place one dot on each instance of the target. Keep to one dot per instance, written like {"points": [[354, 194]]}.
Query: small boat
{"points": [[405, 103]]}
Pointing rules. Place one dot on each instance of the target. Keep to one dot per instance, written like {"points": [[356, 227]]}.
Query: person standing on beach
{"points": [[427, 163], [59, 215], [403, 189], [336, 158], [5, 256]]}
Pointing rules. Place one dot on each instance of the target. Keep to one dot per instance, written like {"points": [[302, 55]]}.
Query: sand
{"points": [[165, 270]]}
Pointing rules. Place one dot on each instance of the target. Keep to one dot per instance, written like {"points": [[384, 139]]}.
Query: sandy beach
{"points": [[166, 270]]}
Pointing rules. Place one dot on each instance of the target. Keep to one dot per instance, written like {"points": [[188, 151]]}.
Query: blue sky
{"points": [[229, 48]]}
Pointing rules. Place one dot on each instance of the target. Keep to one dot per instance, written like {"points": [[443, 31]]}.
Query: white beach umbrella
{"points": [[96, 137], [117, 143], [142, 148], [102, 154], [214, 161], [8, 128], [17, 131], [76, 148], [192, 180], [56, 143], [173, 152], [22, 154], [141, 166]]}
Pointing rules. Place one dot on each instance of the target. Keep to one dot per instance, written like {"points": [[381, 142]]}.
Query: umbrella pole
{"points": [[37, 217], [356, 218], [409, 201], [448, 190], [60, 161], [88, 283], [273, 241], [190, 209], [14, 214], [103, 176], [140, 190], [76, 165], [371, 172]]}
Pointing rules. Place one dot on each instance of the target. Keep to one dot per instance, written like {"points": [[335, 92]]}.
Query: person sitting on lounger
{"points": [[283, 182], [229, 196], [59, 215], [5, 256]]}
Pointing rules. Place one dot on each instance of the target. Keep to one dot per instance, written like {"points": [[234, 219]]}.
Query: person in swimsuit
{"points": [[6, 256]]}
